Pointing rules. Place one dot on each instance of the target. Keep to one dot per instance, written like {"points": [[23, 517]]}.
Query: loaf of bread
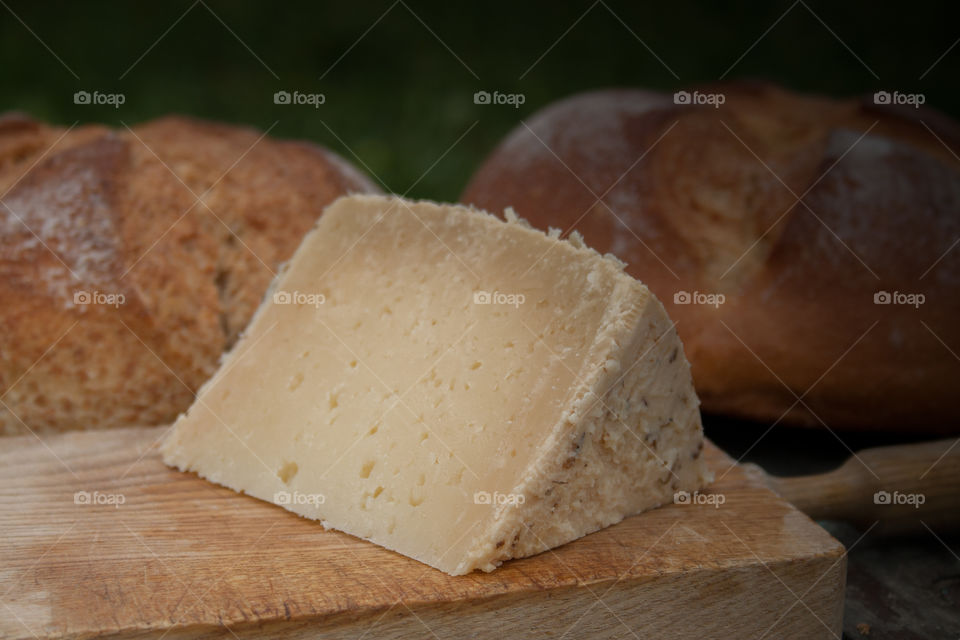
{"points": [[131, 259], [807, 247]]}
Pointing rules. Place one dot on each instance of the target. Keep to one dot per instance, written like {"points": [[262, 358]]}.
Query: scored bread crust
{"points": [[187, 220], [798, 209]]}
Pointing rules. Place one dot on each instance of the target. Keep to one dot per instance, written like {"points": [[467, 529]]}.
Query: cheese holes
{"points": [[366, 468], [287, 472], [295, 381]]}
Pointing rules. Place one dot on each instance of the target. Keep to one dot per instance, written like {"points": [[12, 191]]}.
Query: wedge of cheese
{"points": [[457, 388]]}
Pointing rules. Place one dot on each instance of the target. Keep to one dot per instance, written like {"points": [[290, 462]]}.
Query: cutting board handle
{"points": [[903, 487]]}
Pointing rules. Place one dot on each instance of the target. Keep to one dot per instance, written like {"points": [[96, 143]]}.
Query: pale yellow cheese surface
{"points": [[414, 359]]}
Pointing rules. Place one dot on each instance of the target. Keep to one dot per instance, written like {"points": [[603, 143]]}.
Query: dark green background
{"points": [[399, 99]]}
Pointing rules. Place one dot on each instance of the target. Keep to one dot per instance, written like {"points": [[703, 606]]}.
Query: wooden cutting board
{"points": [[177, 557]]}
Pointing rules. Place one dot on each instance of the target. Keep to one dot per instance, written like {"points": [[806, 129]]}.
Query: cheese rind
{"points": [[457, 388]]}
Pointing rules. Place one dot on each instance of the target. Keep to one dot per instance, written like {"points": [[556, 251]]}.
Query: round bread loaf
{"points": [[131, 259], [806, 247]]}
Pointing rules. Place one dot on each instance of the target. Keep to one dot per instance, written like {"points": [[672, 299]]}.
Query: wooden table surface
{"points": [[157, 553], [898, 588]]}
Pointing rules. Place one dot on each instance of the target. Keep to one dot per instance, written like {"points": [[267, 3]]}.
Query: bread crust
{"points": [[798, 209], [93, 210]]}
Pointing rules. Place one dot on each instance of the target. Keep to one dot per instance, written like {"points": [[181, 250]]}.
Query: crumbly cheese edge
{"points": [[511, 533]]}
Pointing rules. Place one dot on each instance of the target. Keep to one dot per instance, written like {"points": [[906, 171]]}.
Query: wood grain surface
{"points": [[148, 552]]}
